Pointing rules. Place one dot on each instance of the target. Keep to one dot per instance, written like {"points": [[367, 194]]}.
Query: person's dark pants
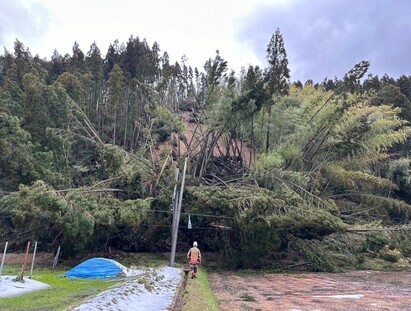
{"points": [[193, 268]]}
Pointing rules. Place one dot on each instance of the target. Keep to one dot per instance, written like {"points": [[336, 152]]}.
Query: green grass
{"points": [[198, 294], [64, 292]]}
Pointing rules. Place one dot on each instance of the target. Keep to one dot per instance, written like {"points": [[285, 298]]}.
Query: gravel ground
{"points": [[356, 290]]}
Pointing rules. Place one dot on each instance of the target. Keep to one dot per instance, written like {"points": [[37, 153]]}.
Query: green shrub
{"points": [[376, 241], [163, 133], [391, 255]]}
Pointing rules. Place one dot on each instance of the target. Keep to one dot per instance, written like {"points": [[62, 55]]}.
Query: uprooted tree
{"points": [[279, 174]]}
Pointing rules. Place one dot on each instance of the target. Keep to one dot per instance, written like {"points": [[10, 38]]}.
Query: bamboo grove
{"points": [[280, 173]]}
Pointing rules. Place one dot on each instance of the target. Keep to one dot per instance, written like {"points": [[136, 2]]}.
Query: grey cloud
{"points": [[22, 22], [326, 38]]}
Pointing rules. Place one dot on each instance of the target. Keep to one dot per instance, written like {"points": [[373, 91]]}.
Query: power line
{"points": [[185, 227], [193, 214], [171, 212]]}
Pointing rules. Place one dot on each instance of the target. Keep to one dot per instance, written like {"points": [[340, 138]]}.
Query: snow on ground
{"points": [[147, 289], [152, 289], [354, 296], [9, 287]]}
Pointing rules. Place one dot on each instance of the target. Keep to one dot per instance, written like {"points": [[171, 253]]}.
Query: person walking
{"points": [[194, 259]]}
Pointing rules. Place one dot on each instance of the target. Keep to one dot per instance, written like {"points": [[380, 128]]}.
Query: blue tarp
{"points": [[95, 268]]}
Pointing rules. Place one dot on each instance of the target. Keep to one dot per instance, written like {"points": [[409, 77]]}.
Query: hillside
{"points": [[280, 174]]}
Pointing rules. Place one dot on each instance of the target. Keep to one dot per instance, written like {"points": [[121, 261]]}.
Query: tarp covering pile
{"points": [[97, 268]]}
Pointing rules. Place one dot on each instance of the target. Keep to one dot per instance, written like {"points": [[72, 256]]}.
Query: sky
{"points": [[323, 38]]}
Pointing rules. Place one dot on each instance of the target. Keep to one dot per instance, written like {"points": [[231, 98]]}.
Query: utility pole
{"points": [[32, 260], [4, 256], [56, 259], [177, 201], [174, 200]]}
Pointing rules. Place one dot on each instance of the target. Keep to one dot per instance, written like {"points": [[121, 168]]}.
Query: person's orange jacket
{"points": [[194, 255]]}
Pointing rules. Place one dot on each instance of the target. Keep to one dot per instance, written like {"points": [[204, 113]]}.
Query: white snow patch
{"points": [[147, 289], [356, 296], [9, 287], [125, 270], [151, 289]]}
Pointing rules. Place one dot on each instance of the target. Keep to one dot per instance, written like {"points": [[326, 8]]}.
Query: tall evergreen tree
{"points": [[94, 64], [116, 87], [372, 83], [277, 75], [154, 59], [56, 66], [77, 62], [114, 56], [404, 83]]}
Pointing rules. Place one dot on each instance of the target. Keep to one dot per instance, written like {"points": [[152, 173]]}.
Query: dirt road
{"points": [[357, 290]]}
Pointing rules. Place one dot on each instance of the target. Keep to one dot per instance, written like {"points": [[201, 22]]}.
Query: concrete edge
{"points": [[177, 302]]}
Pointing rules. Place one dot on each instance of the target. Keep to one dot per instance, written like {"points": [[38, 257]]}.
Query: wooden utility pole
{"points": [[20, 277], [176, 215]]}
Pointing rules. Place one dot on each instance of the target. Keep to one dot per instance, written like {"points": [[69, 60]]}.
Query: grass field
{"points": [[64, 292], [198, 294]]}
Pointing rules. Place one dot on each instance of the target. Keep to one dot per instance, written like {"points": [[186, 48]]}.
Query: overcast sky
{"points": [[323, 38]]}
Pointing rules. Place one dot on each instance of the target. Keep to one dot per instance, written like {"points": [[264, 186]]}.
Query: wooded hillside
{"points": [[280, 173]]}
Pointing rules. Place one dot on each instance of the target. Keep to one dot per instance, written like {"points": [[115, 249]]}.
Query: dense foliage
{"points": [[279, 172]]}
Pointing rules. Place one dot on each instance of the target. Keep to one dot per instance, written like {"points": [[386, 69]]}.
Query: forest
{"points": [[280, 173]]}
